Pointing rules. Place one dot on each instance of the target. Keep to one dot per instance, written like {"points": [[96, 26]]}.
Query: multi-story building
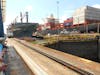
{"points": [[3, 8], [84, 19], [2, 16], [86, 14]]}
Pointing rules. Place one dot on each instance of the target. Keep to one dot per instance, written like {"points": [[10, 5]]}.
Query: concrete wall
{"points": [[83, 49]]}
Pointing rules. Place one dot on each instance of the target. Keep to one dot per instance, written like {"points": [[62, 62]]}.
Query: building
{"points": [[3, 7], [86, 14], [68, 22], [2, 16], [84, 19], [52, 22]]}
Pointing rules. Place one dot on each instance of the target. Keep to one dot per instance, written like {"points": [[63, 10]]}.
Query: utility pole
{"points": [[86, 27], [98, 28], [98, 46]]}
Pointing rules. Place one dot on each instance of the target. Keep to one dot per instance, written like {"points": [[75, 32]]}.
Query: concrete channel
{"points": [[40, 64]]}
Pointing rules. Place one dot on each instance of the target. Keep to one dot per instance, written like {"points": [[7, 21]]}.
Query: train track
{"points": [[72, 67]]}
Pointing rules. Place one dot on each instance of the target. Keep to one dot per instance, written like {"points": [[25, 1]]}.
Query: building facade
{"points": [[3, 7], [68, 22], [2, 16], [86, 14]]}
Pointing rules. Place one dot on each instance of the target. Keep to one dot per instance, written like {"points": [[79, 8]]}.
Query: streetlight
{"points": [[58, 10], [58, 18], [58, 14]]}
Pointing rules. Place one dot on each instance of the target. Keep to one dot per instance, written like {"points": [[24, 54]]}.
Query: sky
{"points": [[39, 10]]}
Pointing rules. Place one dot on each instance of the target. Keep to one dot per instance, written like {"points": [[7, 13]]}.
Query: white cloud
{"points": [[64, 17], [96, 5], [9, 19], [67, 14], [29, 8]]}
